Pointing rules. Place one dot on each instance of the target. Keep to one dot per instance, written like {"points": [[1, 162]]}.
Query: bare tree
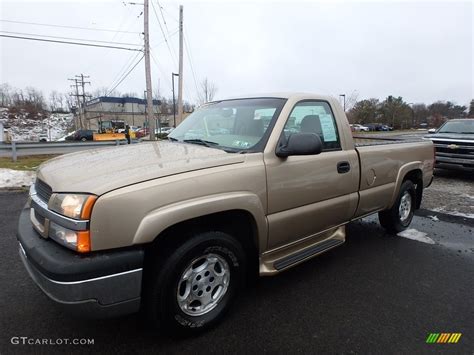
{"points": [[351, 100], [62, 99], [54, 101], [70, 101], [5, 95], [103, 91], [130, 94], [208, 91], [17, 97]]}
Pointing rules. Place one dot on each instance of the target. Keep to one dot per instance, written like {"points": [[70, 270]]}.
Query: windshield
{"points": [[465, 126], [233, 125]]}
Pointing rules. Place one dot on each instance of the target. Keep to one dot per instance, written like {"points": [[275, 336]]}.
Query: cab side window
{"points": [[314, 117]]}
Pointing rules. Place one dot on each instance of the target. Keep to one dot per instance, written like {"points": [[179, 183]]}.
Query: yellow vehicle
{"points": [[108, 136], [109, 131]]}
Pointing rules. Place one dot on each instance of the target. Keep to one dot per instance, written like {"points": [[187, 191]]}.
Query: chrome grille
{"points": [[39, 217], [43, 190], [454, 152]]}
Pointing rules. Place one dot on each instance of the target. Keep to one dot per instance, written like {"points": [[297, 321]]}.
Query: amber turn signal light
{"points": [[87, 208]]}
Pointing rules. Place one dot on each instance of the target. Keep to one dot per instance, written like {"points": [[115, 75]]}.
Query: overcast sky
{"points": [[422, 51]]}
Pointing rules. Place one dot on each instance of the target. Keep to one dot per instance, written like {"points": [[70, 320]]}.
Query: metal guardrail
{"points": [[38, 148]]}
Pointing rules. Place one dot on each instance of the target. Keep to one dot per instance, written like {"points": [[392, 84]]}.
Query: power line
{"points": [[73, 43], [163, 33], [125, 76], [166, 76], [124, 68], [70, 38], [168, 83], [169, 14], [161, 11], [163, 17], [191, 65], [121, 25], [62, 26], [174, 33], [166, 25], [126, 25]]}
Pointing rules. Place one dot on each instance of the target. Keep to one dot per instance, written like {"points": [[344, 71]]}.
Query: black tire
{"points": [[391, 219], [163, 278]]}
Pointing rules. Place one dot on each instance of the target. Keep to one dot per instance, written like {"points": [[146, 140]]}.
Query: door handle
{"points": [[343, 167]]}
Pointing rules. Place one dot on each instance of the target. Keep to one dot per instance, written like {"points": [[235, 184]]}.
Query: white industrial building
{"points": [[131, 110]]}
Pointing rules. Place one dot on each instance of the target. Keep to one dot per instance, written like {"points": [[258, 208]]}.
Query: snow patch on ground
{"points": [[15, 178], [414, 234], [434, 218]]}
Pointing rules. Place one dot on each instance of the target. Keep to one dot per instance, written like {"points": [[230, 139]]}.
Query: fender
{"points": [[158, 220], [402, 172]]}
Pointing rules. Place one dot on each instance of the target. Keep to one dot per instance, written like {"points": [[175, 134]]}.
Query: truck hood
{"points": [[454, 136], [101, 170]]}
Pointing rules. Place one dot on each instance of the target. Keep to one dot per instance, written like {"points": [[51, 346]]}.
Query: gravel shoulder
{"points": [[451, 192]]}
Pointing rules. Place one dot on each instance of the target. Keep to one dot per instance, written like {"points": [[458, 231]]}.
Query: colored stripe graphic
{"points": [[455, 338], [432, 338], [443, 338]]}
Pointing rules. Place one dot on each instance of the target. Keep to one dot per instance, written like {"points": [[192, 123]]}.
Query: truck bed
{"points": [[381, 160], [363, 141]]}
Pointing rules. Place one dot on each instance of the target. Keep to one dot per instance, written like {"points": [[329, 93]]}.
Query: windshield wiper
{"points": [[201, 142], [172, 139]]}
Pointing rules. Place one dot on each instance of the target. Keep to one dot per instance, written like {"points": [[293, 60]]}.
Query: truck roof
{"points": [[280, 95]]}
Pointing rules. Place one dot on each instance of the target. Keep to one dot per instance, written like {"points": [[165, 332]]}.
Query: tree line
{"points": [[397, 113], [33, 101]]}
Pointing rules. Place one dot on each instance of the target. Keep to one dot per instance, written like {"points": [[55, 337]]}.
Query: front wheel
{"points": [[192, 288], [399, 217]]}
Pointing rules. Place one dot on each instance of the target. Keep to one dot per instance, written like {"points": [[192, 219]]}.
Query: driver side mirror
{"points": [[300, 144]]}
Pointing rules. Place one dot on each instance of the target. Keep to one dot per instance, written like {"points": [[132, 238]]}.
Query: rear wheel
{"points": [[192, 288], [399, 217]]}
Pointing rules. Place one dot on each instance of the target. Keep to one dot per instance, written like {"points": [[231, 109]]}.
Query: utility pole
{"points": [[174, 102], [149, 96], [83, 83], [180, 89], [81, 104], [78, 102]]}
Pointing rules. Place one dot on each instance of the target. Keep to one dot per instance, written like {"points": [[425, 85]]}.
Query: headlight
{"points": [[77, 206], [75, 240]]}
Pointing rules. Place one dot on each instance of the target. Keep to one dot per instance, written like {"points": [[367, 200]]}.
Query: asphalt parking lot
{"points": [[374, 294]]}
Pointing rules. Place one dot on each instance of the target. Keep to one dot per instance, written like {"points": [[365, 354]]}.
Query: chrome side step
{"points": [[306, 253]]}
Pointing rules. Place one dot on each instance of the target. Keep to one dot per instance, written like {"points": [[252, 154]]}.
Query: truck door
{"points": [[310, 193]]}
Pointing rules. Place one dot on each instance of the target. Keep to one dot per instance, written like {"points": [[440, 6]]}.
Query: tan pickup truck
{"points": [[245, 186]]}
